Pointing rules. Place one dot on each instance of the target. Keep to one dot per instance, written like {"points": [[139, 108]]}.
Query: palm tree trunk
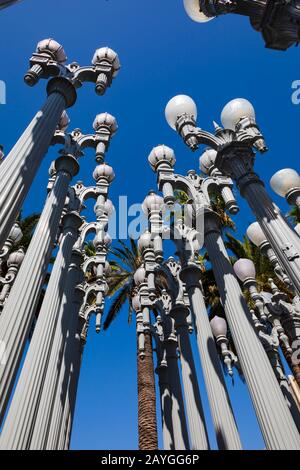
{"points": [[295, 368], [146, 398]]}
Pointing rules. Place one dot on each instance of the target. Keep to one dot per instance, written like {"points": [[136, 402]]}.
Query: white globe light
{"points": [[145, 242], [106, 120], [234, 111], [192, 8], [161, 154], [16, 258], [105, 54], [244, 269], [53, 48], [218, 326], [180, 104], [152, 202], [285, 180], [139, 276], [255, 234], [135, 303], [207, 160], [104, 171]]}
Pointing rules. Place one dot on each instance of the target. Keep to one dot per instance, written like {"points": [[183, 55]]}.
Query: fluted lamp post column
{"points": [[222, 414], [196, 420], [151, 241], [21, 164], [49, 419], [18, 426], [276, 423], [24, 296], [164, 385], [180, 430], [66, 404], [19, 309]]}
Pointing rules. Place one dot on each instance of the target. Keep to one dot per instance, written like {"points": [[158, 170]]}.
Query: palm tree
{"points": [[122, 289], [121, 282], [264, 269]]}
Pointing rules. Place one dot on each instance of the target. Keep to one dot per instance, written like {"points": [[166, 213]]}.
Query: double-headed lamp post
{"points": [[277, 20], [235, 145], [19, 168]]}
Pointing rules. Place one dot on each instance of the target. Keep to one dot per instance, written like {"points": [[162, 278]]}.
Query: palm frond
{"points": [[116, 306]]}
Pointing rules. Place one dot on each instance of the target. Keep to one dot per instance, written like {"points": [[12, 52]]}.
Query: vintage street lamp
{"points": [[286, 183], [162, 161], [32, 419], [235, 145], [174, 306], [277, 20], [13, 262], [14, 238], [269, 326], [220, 330], [19, 168]]}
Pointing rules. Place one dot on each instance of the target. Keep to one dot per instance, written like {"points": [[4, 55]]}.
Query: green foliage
{"points": [[294, 215], [27, 226]]}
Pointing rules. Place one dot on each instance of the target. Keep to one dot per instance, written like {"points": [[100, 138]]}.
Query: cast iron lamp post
{"points": [[21, 165], [266, 320], [7, 3], [258, 238], [174, 306], [161, 160], [235, 145], [277, 20], [220, 331], [266, 395], [22, 302], [33, 415]]}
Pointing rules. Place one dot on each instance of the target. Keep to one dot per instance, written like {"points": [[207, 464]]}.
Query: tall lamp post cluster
{"points": [[172, 288], [277, 20], [41, 411]]}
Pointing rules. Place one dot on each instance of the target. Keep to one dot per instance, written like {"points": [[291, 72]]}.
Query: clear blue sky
{"points": [[163, 53]]}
